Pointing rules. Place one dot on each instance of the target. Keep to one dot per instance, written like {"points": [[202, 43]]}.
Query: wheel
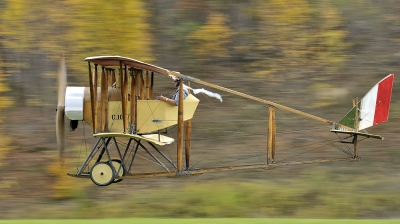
{"points": [[102, 173], [117, 163]]}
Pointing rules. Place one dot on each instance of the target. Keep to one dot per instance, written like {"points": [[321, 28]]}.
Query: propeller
{"points": [[62, 85]]}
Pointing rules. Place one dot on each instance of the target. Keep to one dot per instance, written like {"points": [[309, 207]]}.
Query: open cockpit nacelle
{"points": [[151, 115]]}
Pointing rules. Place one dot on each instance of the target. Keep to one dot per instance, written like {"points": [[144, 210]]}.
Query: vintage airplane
{"points": [[122, 107]]}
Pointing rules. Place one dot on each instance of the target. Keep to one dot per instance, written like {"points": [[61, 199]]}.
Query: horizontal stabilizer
{"points": [[153, 138], [358, 133]]}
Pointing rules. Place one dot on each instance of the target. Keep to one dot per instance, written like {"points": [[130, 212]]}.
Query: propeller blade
{"points": [[62, 85], [60, 130]]}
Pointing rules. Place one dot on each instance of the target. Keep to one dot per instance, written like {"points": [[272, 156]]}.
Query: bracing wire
{"points": [[327, 142], [138, 153], [330, 142], [237, 130], [83, 145]]}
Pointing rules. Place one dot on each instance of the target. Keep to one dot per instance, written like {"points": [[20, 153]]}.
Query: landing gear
{"points": [[107, 171], [102, 173]]}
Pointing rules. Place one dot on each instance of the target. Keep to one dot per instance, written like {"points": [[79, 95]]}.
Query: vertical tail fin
{"points": [[374, 106]]}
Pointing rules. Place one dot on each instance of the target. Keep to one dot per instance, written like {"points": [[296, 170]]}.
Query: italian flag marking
{"points": [[374, 108]]}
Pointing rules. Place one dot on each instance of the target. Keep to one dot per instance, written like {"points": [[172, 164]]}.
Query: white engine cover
{"points": [[74, 97]]}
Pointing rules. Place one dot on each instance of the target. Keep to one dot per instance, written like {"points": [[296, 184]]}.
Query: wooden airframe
{"points": [[141, 119]]}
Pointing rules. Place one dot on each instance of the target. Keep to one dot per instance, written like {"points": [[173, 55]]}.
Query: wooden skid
{"points": [[219, 169]]}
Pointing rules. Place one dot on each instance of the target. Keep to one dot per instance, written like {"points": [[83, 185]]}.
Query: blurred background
{"points": [[315, 56]]}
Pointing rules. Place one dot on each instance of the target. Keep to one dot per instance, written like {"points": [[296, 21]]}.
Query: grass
{"points": [[197, 221], [319, 195]]}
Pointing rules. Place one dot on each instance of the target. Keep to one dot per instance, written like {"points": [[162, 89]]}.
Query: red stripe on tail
{"points": [[383, 99]]}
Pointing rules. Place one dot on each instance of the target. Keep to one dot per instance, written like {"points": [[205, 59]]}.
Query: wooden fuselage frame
{"points": [[133, 89]]}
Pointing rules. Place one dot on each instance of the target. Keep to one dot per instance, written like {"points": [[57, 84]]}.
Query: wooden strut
{"points": [[96, 97], [137, 93], [142, 92], [179, 144], [125, 108], [93, 98], [188, 135], [271, 135], [356, 127], [147, 86], [124, 85], [109, 77], [151, 85], [104, 99], [121, 82], [133, 103]]}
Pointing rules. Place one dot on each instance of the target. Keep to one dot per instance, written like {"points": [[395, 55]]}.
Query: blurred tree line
{"points": [[263, 36], [309, 42], [300, 38]]}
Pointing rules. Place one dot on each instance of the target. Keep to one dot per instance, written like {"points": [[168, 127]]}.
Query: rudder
{"points": [[373, 107]]}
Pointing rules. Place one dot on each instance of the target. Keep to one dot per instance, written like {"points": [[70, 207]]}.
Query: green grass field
{"points": [[198, 221]]}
